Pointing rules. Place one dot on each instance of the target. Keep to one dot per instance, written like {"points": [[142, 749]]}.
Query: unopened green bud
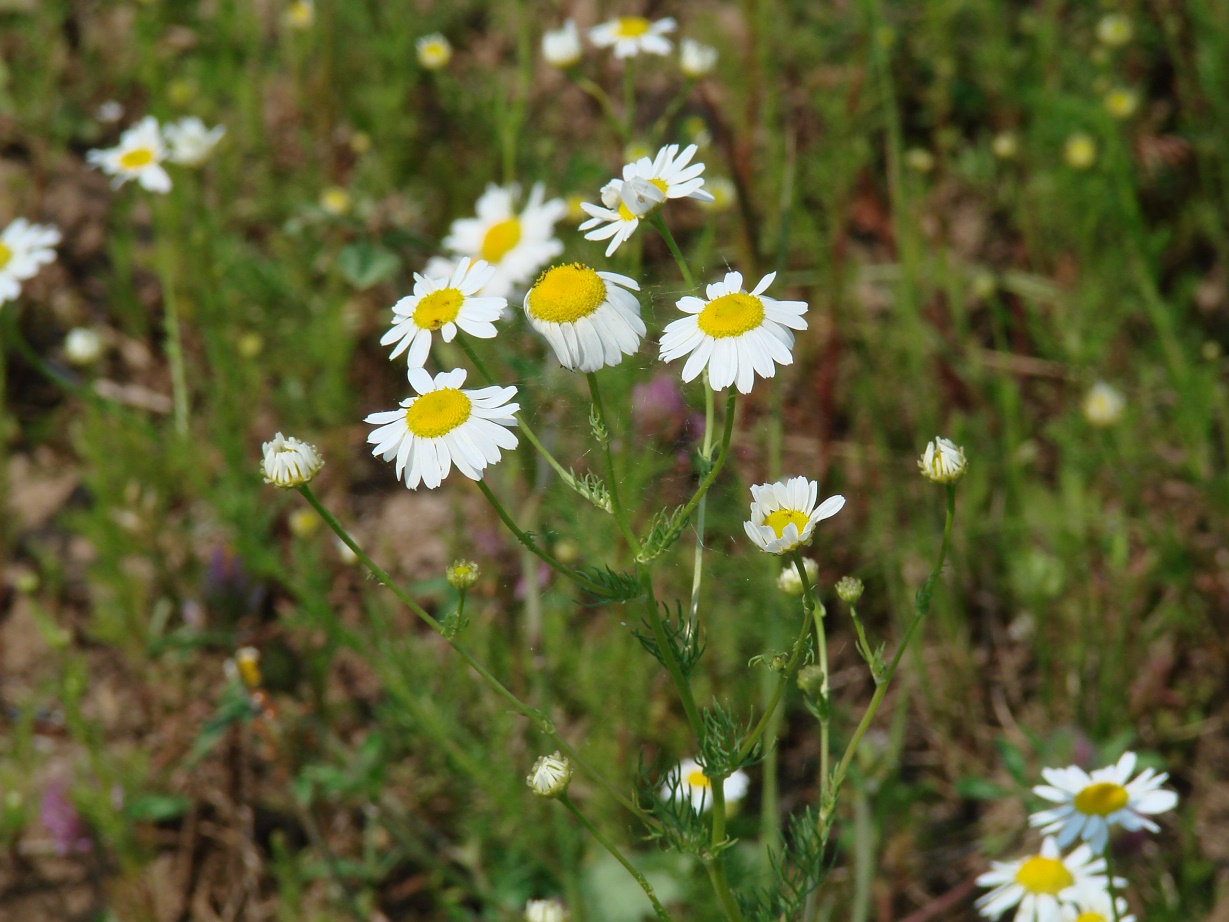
{"points": [[462, 574], [849, 589], [811, 678]]}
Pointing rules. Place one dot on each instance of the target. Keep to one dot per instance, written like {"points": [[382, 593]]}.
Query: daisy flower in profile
{"points": [[696, 60], [735, 335], [784, 514], [688, 778], [633, 35], [190, 141], [443, 304], [444, 426], [516, 244], [24, 249], [591, 319], [561, 47], [290, 463], [1088, 804], [1039, 884], [434, 51], [1092, 904], [138, 156]]}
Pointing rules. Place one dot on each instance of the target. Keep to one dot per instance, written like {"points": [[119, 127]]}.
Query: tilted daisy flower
{"points": [[1092, 904], [434, 51], [735, 335], [1090, 803], [784, 514], [24, 249], [444, 426], [190, 141], [443, 304], [561, 47], [1039, 884], [517, 245], [688, 778], [591, 319], [138, 156], [632, 35]]}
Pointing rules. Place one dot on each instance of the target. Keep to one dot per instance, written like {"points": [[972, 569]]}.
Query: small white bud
{"points": [[788, 580], [943, 461], [550, 776], [545, 911], [434, 51], [290, 463], [561, 47]]}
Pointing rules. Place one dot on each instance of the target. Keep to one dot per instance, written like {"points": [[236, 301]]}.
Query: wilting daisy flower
{"points": [[788, 580], [696, 60], [1039, 884], [517, 245], [138, 156], [24, 249], [290, 463], [443, 304], [445, 425], [631, 35], [591, 319], [688, 778], [190, 141], [735, 335], [434, 51], [561, 47], [1103, 405], [943, 461], [1092, 904], [1090, 804], [784, 514], [545, 911]]}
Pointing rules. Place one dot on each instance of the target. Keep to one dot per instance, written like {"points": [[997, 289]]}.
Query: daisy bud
{"points": [[462, 574], [551, 775], [849, 589], [788, 580], [247, 665], [545, 911], [434, 51], [696, 60], [1080, 151], [943, 461], [1005, 145], [1103, 405], [811, 678], [561, 47], [82, 346], [1114, 30], [290, 463]]}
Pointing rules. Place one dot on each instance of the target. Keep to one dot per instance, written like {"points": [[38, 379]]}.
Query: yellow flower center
{"points": [[501, 238], [564, 294], [626, 214], [5, 255], [632, 26], [136, 158], [783, 517], [731, 315], [697, 779], [1101, 799], [1090, 917], [437, 413], [438, 308], [1044, 875]]}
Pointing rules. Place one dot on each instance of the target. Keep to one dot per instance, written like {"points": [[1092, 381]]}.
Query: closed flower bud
{"points": [[811, 678], [462, 574], [943, 461], [290, 463], [849, 589], [788, 580], [247, 664], [551, 775], [545, 911], [434, 51]]}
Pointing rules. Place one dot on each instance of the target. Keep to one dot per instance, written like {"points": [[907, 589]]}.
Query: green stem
{"points": [[539, 720], [667, 653], [697, 568], [618, 855], [602, 98], [716, 864], [821, 639], [660, 223], [1109, 884], [174, 338], [629, 99], [611, 477], [722, 453]]}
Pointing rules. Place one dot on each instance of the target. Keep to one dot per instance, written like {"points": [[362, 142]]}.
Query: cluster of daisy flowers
{"points": [[24, 249], [627, 37], [1051, 887], [144, 147]]}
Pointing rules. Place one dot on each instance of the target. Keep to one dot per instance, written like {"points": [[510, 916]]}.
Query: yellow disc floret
{"points": [[438, 308], [136, 158], [1090, 917], [697, 779], [632, 26], [731, 315], [1044, 875], [779, 519], [437, 413], [1101, 799], [500, 238], [565, 294], [5, 255]]}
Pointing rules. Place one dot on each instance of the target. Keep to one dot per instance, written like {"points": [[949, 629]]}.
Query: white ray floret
{"points": [[1089, 804], [444, 304], [734, 335], [1040, 884], [138, 156], [784, 514], [633, 35], [688, 779], [444, 425], [24, 249], [190, 142], [1092, 904], [591, 319]]}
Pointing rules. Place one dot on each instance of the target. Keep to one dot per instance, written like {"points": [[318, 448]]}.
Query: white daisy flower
{"points": [[696, 59], [1039, 884], [24, 249], [589, 318], [1092, 904], [631, 35], [1103, 405], [444, 425], [734, 335], [517, 245], [190, 141], [434, 51], [561, 47], [138, 156], [1090, 803], [444, 304], [613, 220], [290, 463], [784, 514], [943, 461], [688, 778]]}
